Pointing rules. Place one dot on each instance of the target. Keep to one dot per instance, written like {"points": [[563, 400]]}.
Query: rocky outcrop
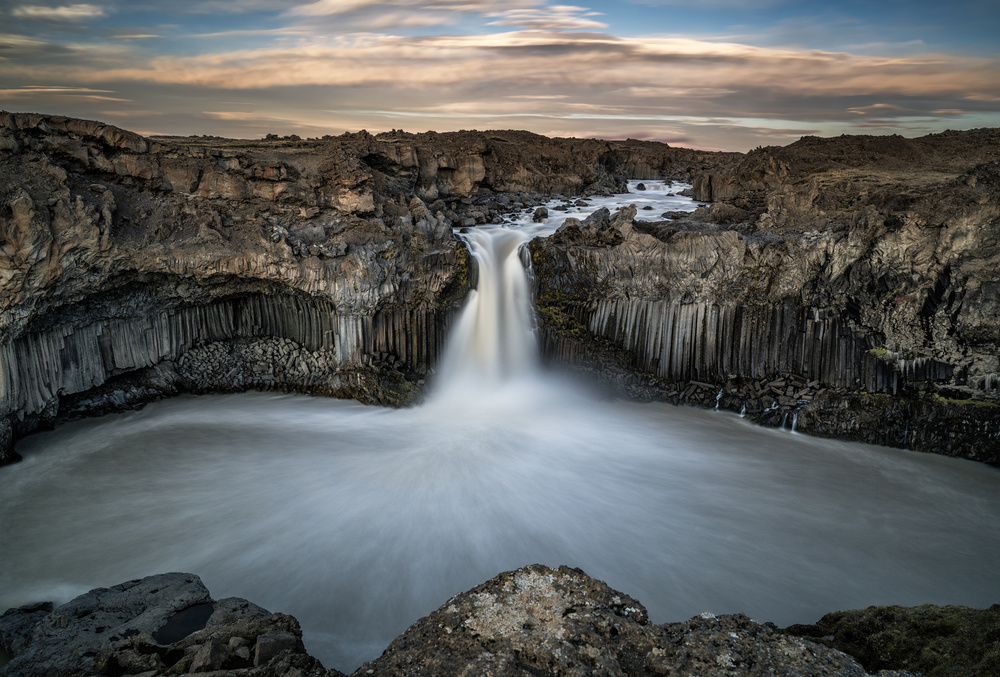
{"points": [[539, 621], [936, 641], [160, 625], [876, 321], [531, 621], [133, 268]]}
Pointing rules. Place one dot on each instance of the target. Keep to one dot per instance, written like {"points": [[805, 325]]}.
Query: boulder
{"points": [[160, 625], [542, 621]]}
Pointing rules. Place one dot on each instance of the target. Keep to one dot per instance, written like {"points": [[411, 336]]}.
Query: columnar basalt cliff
{"points": [[849, 287], [132, 268]]}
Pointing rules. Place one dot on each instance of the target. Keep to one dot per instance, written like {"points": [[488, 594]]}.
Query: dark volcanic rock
{"points": [[849, 286], [824, 273], [936, 641], [540, 621], [597, 230], [531, 621], [160, 625], [135, 268]]}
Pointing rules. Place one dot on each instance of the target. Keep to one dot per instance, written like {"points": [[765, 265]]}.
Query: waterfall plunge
{"points": [[491, 360], [493, 342]]}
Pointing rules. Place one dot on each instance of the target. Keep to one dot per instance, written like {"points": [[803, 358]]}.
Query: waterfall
{"points": [[491, 357], [493, 341]]}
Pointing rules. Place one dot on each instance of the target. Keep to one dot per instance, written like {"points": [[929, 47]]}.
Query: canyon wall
{"points": [[853, 297], [133, 268], [846, 287]]}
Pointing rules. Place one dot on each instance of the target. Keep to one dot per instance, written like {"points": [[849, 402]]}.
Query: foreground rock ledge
{"points": [[532, 621]]}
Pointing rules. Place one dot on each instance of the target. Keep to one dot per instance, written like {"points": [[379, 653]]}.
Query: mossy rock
{"points": [[937, 641]]}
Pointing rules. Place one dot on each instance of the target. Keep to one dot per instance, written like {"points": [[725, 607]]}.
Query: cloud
{"points": [[228, 115], [880, 124], [35, 90], [335, 7], [508, 63], [865, 110], [950, 111], [258, 32], [559, 17], [131, 114], [227, 6], [67, 13], [716, 4]]}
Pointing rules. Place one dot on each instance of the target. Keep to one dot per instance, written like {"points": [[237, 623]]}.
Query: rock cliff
{"points": [[532, 621], [847, 287], [132, 268]]}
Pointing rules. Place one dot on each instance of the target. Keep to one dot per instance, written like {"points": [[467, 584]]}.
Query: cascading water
{"points": [[359, 520], [493, 344]]}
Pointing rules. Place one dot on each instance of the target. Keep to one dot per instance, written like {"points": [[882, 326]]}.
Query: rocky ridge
{"points": [[531, 621], [847, 287], [133, 268]]}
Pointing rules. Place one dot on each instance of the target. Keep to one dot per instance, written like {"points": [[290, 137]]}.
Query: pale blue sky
{"points": [[715, 74]]}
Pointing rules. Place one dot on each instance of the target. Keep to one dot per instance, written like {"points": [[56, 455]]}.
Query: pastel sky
{"points": [[719, 74]]}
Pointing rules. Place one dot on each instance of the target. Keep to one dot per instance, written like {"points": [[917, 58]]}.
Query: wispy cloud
{"points": [[559, 17], [80, 12], [131, 114], [333, 7], [229, 115], [11, 44], [874, 108], [35, 90], [587, 61]]}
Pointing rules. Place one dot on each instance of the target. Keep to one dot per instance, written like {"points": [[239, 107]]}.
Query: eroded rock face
{"points": [[531, 621], [134, 268], [826, 275], [874, 321]]}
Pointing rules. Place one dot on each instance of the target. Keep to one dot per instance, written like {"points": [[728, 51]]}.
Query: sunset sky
{"points": [[725, 74]]}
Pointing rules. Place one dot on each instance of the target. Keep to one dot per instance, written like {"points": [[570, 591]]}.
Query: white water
{"points": [[493, 343], [358, 520]]}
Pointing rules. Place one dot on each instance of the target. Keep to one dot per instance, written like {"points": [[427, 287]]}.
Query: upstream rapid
{"points": [[358, 520]]}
